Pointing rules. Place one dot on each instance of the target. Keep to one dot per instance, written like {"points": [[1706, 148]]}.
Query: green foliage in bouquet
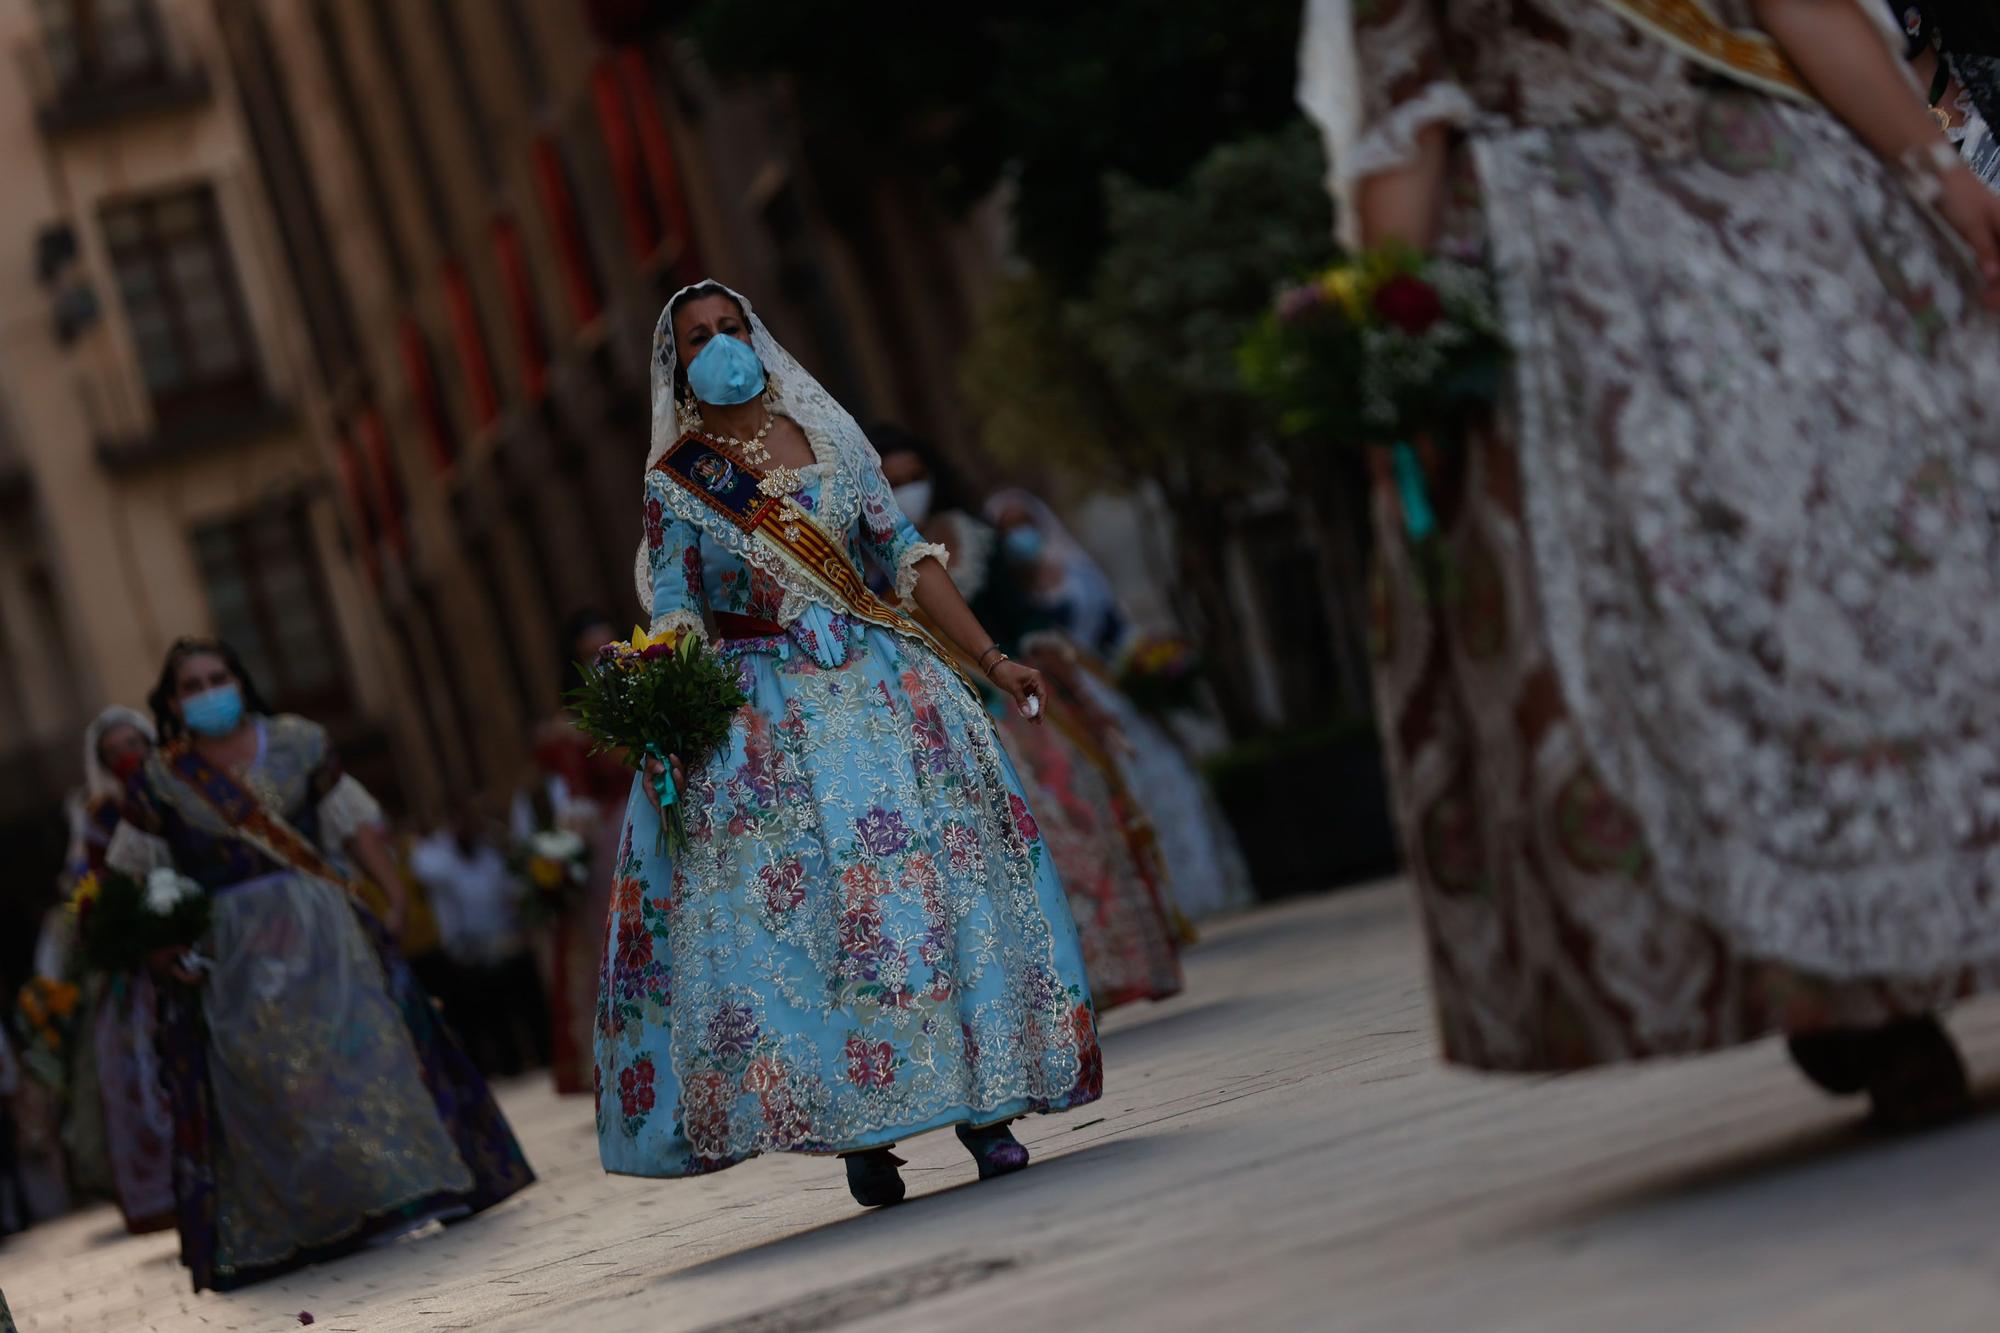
{"points": [[121, 922], [654, 697], [1162, 675], [1386, 347]]}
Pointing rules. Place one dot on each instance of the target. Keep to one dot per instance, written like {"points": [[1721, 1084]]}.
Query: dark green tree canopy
{"points": [[1052, 96]]}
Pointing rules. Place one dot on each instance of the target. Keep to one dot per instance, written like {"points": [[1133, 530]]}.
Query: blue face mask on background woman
{"points": [[725, 372], [214, 712], [1024, 545]]}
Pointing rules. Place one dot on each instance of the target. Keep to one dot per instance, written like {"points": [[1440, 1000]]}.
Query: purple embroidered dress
{"points": [[317, 1098]]}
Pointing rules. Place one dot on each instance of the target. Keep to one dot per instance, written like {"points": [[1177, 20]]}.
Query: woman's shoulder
{"points": [[297, 734]]}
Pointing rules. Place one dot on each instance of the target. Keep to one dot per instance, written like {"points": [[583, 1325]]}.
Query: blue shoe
{"points": [[995, 1148]]}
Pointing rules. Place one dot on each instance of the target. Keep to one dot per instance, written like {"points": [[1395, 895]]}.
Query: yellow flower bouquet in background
{"points": [[44, 1019], [121, 922], [552, 866]]}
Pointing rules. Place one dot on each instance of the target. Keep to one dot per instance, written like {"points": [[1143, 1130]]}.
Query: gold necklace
{"points": [[753, 450]]}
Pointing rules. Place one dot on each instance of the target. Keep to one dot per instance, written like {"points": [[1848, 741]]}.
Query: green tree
{"points": [[1050, 95], [1133, 379]]}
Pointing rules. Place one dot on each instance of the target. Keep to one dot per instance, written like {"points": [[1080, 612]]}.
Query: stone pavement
{"points": [[1279, 1148]]}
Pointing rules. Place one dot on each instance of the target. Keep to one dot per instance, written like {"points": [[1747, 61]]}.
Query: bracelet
{"points": [[1924, 166], [998, 657]]}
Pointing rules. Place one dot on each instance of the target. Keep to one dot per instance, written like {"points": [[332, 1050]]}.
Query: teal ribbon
{"points": [[1418, 519], [665, 781]]}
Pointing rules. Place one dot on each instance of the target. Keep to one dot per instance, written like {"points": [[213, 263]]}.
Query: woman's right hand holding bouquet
{"points": [[655, 701]]}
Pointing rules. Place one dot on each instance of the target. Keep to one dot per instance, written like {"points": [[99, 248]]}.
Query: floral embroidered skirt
{"points": [[138, 1120], [1694, 723], [318, 1099], [866, 939]]}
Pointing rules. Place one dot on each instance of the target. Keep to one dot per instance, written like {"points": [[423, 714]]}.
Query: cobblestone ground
{"points": [[1277, 1149]]}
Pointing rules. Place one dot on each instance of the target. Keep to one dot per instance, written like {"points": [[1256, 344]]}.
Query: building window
{"points": [[268, 598], [94, 45], [183, 303]]}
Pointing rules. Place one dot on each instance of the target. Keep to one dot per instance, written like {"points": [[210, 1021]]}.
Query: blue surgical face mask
{"points": [[725, 372], [215, 712], [1024, 544]]}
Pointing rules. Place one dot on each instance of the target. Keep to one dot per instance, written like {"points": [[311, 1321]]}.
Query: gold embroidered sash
{"points": [[259, 825], [1691, 28], [735, 491]]}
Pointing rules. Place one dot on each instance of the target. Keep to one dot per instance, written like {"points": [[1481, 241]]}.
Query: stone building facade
{"points": [[324, 324]]}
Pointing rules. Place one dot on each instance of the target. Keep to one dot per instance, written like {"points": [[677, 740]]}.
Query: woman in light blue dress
{"points": [[866, 938]]}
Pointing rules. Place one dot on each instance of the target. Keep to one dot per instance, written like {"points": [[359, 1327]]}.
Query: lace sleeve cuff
{"points": [[1391, 140], [906, 566], [680, 622], [345, 811], [136, 854]]}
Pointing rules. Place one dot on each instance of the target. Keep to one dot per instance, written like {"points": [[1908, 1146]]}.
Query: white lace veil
{"points": [[97, 779], [794, 393]]}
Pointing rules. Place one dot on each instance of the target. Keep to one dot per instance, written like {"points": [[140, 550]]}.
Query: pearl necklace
{"points": [[753, 450]]}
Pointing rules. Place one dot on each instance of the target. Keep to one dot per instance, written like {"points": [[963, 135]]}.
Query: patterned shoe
{"points": [[995, 1148], [872, 1177]]}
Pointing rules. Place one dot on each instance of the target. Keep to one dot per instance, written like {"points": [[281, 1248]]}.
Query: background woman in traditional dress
{"points": [[133, 1124], [866, 938], [1207, 874], [318, 1100], [1709, 743], [584, 793], [1104, 846]]}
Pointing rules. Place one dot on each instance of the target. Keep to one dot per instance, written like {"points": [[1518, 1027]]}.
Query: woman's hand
{"points": [[1025, 684], [1973, 210], [654, 768], [167, 963], [1404, 206]]}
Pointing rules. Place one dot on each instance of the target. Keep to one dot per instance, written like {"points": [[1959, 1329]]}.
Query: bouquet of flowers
{"points": [[120, 922], [1161, 674], [553, 866], [1384, 347], [44, 1013], [657, 696]]}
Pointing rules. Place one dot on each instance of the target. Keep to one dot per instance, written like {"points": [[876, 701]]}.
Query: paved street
{"points": [[1277, 1149]]}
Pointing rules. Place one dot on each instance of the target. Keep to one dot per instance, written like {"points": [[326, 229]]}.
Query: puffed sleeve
{"points": [[673, 554], [1373, 74], [343, 806], [887, 534]]}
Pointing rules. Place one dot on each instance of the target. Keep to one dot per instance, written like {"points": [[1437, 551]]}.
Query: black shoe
{"points": [[1917, 1079], [872, 1178], [1836, 1061], [995, 1148]]}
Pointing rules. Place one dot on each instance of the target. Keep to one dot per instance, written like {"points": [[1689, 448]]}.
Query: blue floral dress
{"points": [[866, 937]]}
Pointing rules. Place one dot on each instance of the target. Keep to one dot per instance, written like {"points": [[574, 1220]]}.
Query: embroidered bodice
{"points": [[296, 774], [701, 562]]}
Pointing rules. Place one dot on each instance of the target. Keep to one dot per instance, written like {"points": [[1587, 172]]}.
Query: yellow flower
{"points": [[1345, 287], [545, 873], [85, 892], [63, 997], [641, 640]]}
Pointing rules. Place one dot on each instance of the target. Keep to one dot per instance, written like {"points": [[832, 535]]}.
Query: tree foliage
{"points": [[1047, 94], [1138, 371]]}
